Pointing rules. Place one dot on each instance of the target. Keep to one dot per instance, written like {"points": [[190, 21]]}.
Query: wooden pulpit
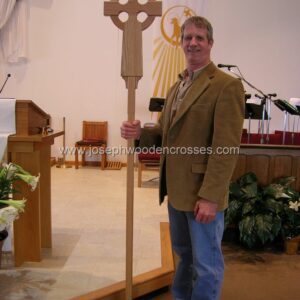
{"points": [[31, 149]]}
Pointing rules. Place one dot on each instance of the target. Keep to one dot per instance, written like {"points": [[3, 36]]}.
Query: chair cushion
{"points": [[149, 156], [91, 142]]}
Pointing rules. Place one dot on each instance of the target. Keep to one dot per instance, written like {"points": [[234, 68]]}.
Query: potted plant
{"points": [[263, 213], [10, 208], [290, 215]]}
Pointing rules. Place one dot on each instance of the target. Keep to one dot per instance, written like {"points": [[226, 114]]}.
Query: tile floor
{"points": [[88, 215]]}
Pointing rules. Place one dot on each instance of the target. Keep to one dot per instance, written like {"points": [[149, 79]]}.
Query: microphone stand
{"points": [[269, 116], [262, 127], [263, 97], [293, 132], [285, 120], [249, 128]]}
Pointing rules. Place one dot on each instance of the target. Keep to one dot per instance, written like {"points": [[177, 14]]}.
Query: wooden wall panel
{"points": [[281, 166], [260, 165], [240, 168], [296, 172], [269, 162]]}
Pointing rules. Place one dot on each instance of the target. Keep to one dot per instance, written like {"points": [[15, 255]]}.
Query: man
{"points": [[203, 116]]}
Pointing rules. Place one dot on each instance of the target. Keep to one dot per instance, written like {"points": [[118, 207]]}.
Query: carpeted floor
{"points": [[255, 275], [250, 275]]}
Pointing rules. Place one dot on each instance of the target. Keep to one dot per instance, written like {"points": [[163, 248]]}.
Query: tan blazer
{"points": [[211, 115]]}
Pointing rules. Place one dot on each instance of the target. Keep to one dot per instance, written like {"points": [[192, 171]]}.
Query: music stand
{"points": [[287, 108], [156, 104], [297, 127], [254, 112]]}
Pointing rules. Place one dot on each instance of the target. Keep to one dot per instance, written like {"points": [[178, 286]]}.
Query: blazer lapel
{"points": [[167, 114], [195, 92]]}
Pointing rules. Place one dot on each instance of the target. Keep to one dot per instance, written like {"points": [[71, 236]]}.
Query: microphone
{"points": [[260, 97], [226, 66], [247, 96], [7, 76], [272, 95]]}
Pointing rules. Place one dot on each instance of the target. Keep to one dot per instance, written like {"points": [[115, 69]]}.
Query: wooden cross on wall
{"points": [[131, 72]]}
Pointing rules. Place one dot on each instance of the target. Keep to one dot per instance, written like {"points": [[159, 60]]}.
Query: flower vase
{"points": [[292, 245]]}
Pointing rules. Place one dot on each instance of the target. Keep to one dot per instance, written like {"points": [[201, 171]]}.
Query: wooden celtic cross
{"points": [[131, 72]]}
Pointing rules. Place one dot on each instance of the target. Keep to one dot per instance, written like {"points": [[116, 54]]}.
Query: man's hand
{"points": [[205, 211], [131, 130]]}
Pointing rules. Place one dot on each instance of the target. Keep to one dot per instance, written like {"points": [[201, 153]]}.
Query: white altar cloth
{"points": [[7, 123]]}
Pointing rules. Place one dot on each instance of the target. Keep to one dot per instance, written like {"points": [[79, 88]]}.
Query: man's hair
{"points": [[199, 22]]}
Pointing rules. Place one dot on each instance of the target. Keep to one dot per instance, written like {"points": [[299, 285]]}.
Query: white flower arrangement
{"points": [[10, 208], [294, 205], [7, 215]]}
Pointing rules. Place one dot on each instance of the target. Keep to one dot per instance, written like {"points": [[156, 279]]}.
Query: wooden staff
{"points": [[131, 72]]}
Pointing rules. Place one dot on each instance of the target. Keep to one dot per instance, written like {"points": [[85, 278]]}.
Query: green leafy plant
{"points": [[263, 213], [10, 208]]}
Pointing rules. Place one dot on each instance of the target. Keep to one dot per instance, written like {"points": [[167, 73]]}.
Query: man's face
{"points": [[196, 46]]}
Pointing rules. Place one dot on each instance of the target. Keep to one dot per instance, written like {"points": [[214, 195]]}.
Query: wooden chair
{"points": [[94, 135], [148, 161]]}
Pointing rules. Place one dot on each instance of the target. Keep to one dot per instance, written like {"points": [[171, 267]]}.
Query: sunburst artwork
{"points": [[168, 56]]}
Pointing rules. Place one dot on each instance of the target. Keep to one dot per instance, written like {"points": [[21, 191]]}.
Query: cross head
{"points": [[132, 62]]}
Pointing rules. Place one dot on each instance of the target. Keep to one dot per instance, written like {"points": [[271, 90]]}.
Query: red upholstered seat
{"points": [[274, 138], [149, 156], [91, 142], [244, 140], [289, 139], [147, 161]]}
